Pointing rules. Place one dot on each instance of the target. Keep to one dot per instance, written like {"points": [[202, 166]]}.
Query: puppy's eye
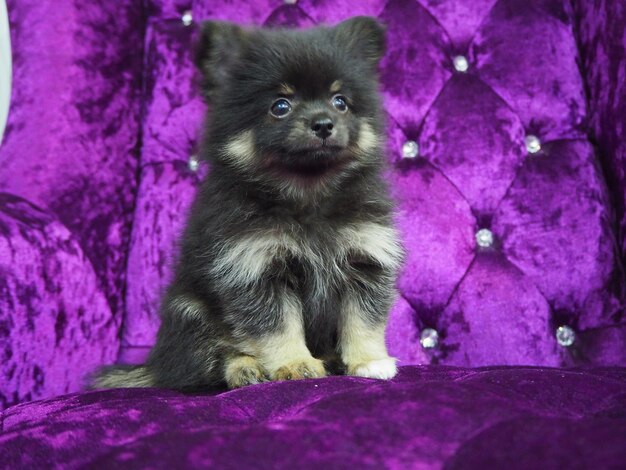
{"points": [[280, 108], [340, 104]]}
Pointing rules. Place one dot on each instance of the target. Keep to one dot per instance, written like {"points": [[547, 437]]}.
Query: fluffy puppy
{"points": [[290, 257]]}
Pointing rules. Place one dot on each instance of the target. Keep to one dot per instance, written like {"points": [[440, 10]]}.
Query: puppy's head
{"points": [[297, 110]]}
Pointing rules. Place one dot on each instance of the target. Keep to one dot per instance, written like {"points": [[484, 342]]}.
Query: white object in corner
{"points": [[5, 67]]}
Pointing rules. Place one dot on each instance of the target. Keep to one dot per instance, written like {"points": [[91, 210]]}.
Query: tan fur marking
{"points": [[362, 345], [285, 354], [336, 86], [187, 307], [368, 140], [244, 260], [306, 369], [120, 378], [376, 240], [240, 149], [243, 370], [287, 89]]}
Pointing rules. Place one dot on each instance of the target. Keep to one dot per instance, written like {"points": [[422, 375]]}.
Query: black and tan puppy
{"points": [[290, 257]]}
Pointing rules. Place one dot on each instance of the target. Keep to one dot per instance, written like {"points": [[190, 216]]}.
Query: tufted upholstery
{"points": [[507, 156]]}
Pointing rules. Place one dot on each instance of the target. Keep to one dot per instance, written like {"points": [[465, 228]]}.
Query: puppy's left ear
{"points": [[219, 47], [363, 36]]}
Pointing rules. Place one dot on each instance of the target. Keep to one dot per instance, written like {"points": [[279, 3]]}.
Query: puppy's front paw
{"points": [[377, 369], [244, 370], [304, 369]]}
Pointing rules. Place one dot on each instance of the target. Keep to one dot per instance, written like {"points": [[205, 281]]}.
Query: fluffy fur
{"points": [[289, 259]]}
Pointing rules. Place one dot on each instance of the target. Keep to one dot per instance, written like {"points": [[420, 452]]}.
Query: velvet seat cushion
{"points": [[55, 323], [427, 417]]}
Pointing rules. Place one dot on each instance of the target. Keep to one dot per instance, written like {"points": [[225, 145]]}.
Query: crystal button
{"points": [[460, 63], [429, 338], [193, 163], [187, 18], [533, 144], [484, 238], [410, 149], [565, 336]]}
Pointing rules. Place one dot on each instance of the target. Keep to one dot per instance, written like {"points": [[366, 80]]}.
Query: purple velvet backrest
{"points": [[507, 151], [502, 203]]}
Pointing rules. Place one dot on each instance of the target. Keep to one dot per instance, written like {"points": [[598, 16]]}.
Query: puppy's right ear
{"points": [[364, 37], [219, 47]]}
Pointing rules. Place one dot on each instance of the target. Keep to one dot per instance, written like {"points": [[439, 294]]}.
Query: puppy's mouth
{"points": [[324, 152], [311, 162]]}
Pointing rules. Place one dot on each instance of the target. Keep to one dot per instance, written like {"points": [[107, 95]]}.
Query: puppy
{"points": [[290, 257]]}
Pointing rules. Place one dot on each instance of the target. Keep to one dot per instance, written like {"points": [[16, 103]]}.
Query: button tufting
{"points": [[460, 63], [193, 163], [484, 238], [187, 18], [410, 149], [429, 338], [533, 144], [565, 336]]}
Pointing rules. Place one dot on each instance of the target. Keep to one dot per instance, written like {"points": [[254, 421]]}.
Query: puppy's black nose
{"points": [[322, 126]]}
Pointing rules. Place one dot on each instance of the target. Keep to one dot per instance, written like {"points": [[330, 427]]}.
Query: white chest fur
{"points": [[244, 259]]}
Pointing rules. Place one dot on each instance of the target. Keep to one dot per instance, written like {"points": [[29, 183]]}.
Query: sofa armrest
{"points": [[55, 323], [71, 143], [602, 44]]}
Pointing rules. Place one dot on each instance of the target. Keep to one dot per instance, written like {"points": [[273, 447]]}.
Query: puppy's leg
{"points": [[374, 255], [284, 352], [260, 305], [280, 348], [362, 336]]}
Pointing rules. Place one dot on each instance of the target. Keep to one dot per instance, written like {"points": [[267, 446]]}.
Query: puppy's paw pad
{"points": [[379, 369], [308, 369], [245, 373]]}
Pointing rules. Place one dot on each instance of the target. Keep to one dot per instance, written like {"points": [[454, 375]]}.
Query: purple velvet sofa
{"points": [[507, 151]]}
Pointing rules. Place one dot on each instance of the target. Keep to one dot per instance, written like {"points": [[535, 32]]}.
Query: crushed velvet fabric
{"points": [[55, 322], [427, 418], [173, 114], [71, 141], [602, 38], [71, 149], [97, 172]]}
